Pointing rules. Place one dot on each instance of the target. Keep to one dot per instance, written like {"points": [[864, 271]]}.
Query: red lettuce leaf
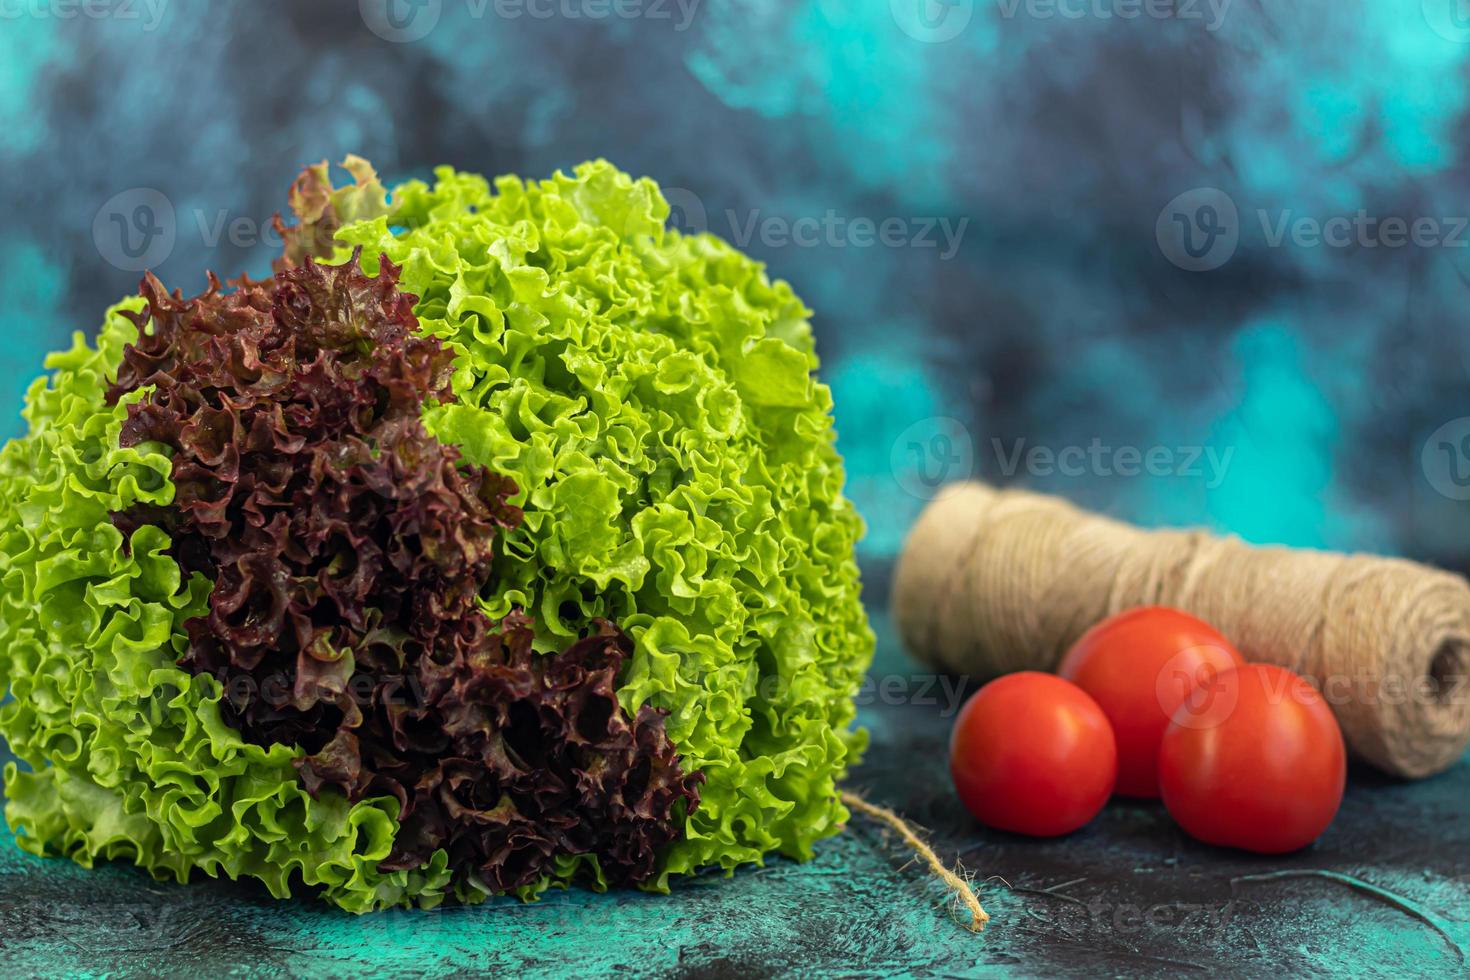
{"points": [[347, 548]]}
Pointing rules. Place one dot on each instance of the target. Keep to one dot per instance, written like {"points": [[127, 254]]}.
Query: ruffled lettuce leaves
{"points": [[347, 548], [131, 757], [652, 396]]}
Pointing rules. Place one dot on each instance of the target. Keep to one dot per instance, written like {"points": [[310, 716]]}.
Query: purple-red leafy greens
{"points": [[347, 548]]}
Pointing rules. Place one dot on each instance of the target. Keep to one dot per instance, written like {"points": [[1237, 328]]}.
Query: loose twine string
{"points": [[964, 894], [995, 581]]}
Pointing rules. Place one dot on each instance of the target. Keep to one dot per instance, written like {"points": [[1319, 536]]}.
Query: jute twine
{"points": [[995, 581], [959, 886]]}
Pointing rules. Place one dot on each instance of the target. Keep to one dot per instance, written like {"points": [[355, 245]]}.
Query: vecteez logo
{"points": [[1445, 459], [138, 229], [401, 21], [744, 228], [1194, 692], [687, 213], [1450, 19], [135, 229], [1210, 13], [405, 21], [932, 21], [1199, 229], [148, 13], [931, 453], [935, 21]]}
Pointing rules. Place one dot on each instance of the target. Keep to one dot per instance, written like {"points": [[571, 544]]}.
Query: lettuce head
{"points": [[495, 542]]}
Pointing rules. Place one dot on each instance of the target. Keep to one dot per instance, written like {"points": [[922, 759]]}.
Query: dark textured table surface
{"points": [[1385, 892]]}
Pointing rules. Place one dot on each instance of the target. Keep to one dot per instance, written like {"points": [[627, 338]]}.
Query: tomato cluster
{"points": [[1154, 703]]}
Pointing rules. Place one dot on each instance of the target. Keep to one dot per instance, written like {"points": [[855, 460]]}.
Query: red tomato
{"points": [[1032, 753], [1256, 762], [1139, 666]]}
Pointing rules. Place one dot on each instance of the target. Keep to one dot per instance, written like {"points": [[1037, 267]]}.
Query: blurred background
{"points": [[1184, 261]]}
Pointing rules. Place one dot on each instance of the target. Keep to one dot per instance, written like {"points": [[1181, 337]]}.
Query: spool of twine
{"points": [[993, 581]]}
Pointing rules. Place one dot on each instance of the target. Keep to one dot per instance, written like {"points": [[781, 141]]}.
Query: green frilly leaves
{"points": [[652, 393], [129, 755]]}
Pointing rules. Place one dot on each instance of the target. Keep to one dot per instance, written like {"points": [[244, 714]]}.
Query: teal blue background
{"points": [[1057, 318]]}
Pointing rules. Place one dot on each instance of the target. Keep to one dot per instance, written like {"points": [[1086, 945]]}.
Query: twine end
{"points": [[964, 895]]}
